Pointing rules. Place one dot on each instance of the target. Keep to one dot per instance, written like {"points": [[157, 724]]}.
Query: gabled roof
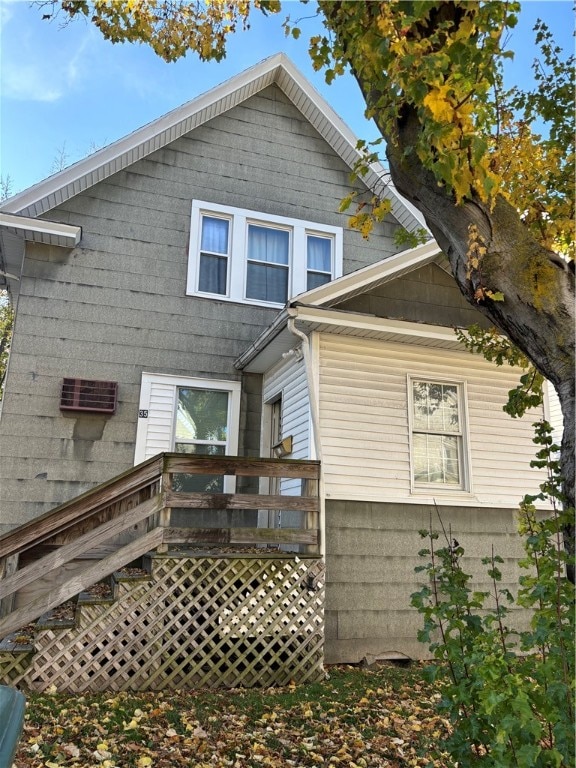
{"points": [[279, 70], [314, 311], [370, 277]]}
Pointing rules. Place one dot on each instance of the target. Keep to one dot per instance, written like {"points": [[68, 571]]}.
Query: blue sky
{"points": [[66, 91]]}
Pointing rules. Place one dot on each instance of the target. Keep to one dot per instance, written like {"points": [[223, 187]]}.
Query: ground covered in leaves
{"points": [[357, 718]]}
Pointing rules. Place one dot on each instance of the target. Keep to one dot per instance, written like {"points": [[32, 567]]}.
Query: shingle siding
{"points": [[116, 306]]}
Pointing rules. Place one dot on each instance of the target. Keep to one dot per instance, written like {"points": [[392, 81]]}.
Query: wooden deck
{"points": [[222, 606]]}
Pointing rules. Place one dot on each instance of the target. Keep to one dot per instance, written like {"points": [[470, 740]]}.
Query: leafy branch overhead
{"points": [[444, 59]]}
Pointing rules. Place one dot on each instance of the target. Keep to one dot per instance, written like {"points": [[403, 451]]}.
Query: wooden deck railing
{"points": [[121, 520]]}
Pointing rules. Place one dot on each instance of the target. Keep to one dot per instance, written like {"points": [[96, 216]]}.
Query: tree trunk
{"points": [[537, 313]]}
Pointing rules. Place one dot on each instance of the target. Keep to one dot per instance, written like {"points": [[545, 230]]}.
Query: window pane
{"points": [[315, 279], [436, 459], [214, 235], [319, 253], [212, 278], [267, 283], [267, 244], [202, 415], [435, 406]]}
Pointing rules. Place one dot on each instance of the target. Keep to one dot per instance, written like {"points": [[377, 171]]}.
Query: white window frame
{"points": [[465, 484], [232, 387], [239, 219], [227, 256]]}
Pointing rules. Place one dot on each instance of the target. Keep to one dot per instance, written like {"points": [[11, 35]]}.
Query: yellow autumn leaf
{"points": [[144, 761], [462, 183], [439, 105]]}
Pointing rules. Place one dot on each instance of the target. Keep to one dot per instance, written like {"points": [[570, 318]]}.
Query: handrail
{"points": [[141, 499], [43, 527]]}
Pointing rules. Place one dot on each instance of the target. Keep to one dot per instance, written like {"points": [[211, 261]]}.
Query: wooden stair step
{"points": [[17, 643], [61, 617]]}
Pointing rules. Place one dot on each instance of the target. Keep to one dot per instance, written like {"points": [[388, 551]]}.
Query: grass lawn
{"points": [[383, 716]]}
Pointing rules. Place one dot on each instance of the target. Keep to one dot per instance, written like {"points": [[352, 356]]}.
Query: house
{"points": [[194, 287]]}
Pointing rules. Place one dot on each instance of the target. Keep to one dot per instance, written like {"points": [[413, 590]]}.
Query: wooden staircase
{"points": [[213, 606]]}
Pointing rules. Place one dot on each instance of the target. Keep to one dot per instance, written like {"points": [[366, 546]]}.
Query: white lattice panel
{"points": [[199, 621]]}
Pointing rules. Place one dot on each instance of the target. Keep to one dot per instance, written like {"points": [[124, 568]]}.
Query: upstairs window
{"points": [[256, 258], [268, 264], [437, 435], [214, 255], [319, 261]]}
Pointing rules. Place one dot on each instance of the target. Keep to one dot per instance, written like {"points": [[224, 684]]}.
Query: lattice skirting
{"points": [[198, 622]]}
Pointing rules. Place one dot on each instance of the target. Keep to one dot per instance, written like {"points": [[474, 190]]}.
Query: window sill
{"points": [[445, 493], [237, 300]]}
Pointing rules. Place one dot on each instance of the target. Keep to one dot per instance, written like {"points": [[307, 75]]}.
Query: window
{"points": [[189, 415], [201, 428], [256, 258], [214, 252], [201, 421], [268, 264], [437, 434], [319, 261]]}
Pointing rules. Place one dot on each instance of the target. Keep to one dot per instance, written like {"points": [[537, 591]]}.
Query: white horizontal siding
{"points": [[554, 413], [288, 379], [154, 434], [364, 423]]}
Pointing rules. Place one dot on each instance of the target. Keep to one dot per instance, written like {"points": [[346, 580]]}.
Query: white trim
{"points": [[40, 230], [232, 387], [334, 317], [240, 219], [464, 488], [362, 279], [277, 69]]}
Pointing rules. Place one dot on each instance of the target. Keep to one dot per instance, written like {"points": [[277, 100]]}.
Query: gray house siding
{"points": [[371, 552], [116, 305], [426, 295]]}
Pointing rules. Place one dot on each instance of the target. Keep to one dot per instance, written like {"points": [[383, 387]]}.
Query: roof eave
{"points": [[363, 279], [41, 230]]}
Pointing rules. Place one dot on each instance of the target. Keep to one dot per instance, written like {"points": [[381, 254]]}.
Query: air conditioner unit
{"points": [[89, 395]]}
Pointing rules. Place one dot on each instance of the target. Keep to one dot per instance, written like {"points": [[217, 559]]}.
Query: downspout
{"points": [[315, 419]]}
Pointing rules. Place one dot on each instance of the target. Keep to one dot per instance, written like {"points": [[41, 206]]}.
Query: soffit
{"points": [[334, 322]]}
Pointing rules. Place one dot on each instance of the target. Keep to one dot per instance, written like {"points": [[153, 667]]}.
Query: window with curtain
{"points": [[319, 261], [258, 258], [267, 264], [214, 249], [437, 434]]}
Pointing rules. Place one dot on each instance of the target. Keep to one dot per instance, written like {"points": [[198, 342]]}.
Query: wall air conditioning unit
{"points": [[89, 396]]}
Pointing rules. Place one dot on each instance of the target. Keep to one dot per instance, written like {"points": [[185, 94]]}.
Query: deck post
{"points": [[310, 487], [8, 566], [165, 512]]}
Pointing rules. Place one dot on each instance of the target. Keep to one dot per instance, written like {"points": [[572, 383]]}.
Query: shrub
{"points": [[509, 694]]}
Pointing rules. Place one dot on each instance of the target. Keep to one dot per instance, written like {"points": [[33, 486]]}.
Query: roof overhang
{"points": [[16, 230], [271, 345], [41, 231], [279, 70], [314, 311]]}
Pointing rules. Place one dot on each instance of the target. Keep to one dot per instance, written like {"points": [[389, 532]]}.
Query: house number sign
{"points": [[142, 414]]}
